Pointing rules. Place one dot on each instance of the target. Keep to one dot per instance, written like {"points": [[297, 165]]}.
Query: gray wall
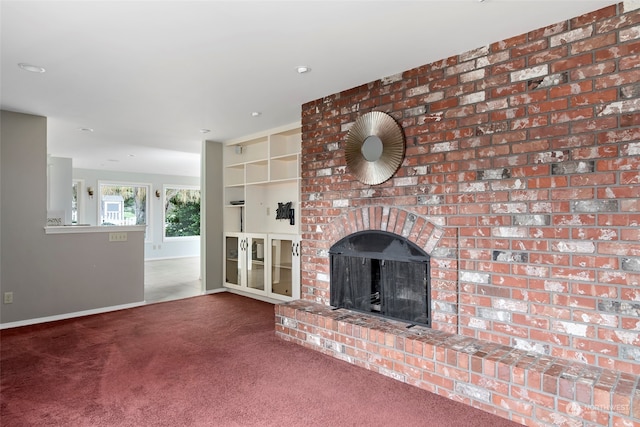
{"points": [[61, 273], [213, 210]]}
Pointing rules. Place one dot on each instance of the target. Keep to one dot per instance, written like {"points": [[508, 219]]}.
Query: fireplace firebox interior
{"points": [[381, 273]]}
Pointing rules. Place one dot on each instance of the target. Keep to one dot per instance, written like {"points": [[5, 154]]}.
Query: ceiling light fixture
{"points": [[31, 68], [85, 129], [303, 69], [204, 131], [256, 114]]}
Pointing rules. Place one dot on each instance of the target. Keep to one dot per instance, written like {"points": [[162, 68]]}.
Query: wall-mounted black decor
{"points": [[285, 211]]}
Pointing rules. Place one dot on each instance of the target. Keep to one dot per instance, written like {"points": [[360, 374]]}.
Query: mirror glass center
{"points": [[372, 148]]}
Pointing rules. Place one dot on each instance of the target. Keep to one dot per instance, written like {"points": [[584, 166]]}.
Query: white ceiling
{"points": [[146, 76]]}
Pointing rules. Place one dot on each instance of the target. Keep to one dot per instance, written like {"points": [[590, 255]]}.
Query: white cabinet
{"points": [[263, 264], [233, 259], [284, 260], [262, 215], [245, 261]]}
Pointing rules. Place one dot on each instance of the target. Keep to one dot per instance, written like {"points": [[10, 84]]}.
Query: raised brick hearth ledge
{"points": [[526, 387]]}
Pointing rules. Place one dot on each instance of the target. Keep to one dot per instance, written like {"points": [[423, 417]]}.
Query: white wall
{"points": [[59, 197], [155, 247]]}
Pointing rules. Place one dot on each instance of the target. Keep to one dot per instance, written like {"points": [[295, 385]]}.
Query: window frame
{"points": [[80, 205], [165, 187], [148, 204]]}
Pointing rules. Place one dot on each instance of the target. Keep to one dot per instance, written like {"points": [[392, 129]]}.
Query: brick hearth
{"points": [[529, 388], [521, 180]]}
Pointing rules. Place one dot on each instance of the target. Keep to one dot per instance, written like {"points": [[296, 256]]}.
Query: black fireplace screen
{"points": [[381, 273]]}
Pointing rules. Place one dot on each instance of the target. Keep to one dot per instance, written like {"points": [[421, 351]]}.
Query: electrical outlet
{"points": [[118, 237], [8, 297], [268, 211]]}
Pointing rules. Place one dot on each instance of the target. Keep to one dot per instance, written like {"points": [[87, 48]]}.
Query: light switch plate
{"points": [[118, 237], [8, 297]]}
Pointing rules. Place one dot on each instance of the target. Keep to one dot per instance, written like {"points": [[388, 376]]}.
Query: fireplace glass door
{"points": [[395, 289], [404, 291], [381, 273], [357, 289]]}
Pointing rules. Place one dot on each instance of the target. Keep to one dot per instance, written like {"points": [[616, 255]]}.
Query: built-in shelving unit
{"points": [[262, 173]]}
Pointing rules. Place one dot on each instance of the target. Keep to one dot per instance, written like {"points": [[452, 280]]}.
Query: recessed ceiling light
{"points": [[85, 129], [302, 69], [132, 155], [31, 68], [204, 131], [256, 114]]}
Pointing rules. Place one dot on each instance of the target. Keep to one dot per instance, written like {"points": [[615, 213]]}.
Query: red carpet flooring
{"points": [[205, 361]]}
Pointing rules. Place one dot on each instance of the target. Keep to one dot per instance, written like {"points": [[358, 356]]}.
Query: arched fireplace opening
{"points": [[381, 273]]}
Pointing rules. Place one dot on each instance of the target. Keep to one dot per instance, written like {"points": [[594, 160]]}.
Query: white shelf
{"points": [[234, 175], [233, 193], [285, 167], [262, 170], [256, 149], [246, 151], [287, 267], [257, 171], [286, 158], [285, 143]]}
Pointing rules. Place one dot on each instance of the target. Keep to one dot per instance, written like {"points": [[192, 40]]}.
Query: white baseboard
{"points": [[171, 257], [69, 315], [254, 296], [215, 291], [65, 316]]}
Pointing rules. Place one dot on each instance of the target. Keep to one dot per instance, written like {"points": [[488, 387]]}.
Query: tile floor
{"points": [[170, 279]]}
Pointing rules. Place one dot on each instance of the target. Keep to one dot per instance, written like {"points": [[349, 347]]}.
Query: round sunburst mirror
{"points": [[374, 148]]}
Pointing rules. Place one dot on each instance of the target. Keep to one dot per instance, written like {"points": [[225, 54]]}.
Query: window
{"points": [[181, 212], [123, 204], [77, 215]]}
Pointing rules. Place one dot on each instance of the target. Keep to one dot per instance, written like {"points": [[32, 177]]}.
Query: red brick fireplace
{"points": [[521, 181]]}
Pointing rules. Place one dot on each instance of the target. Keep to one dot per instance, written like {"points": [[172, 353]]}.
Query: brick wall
{"points": [[524, 158]]}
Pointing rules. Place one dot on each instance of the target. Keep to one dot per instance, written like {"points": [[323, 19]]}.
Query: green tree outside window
{"points": [[182, 212]]}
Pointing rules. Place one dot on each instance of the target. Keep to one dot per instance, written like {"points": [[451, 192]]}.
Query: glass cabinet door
{"points": [[267, 264], [233, 259], [283, 260], [255, 262]]}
